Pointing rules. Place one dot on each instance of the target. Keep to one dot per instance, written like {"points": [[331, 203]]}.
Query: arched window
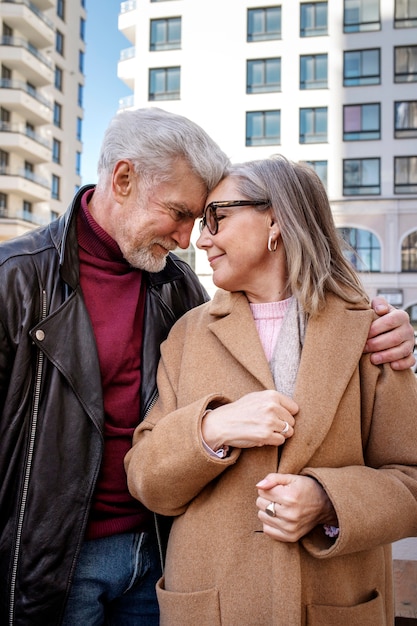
{"points": [[365, 245], [409, 253]]}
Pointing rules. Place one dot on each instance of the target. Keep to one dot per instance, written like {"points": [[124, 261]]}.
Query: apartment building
{"points": [[42, 52], [331, 83]]}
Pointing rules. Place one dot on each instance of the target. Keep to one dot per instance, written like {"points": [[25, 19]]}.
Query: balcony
{"points": [[28, 102], [25, 184], [127, 20], [26, 143], [19, 55], [44, 5], [127, 66], [28, 19]]}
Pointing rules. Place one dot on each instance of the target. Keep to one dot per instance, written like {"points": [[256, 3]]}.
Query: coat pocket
{"points": [[364, 614], [188, 609]]}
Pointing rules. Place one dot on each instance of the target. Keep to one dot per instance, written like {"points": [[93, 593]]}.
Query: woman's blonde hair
{"points": [[315, 261]]}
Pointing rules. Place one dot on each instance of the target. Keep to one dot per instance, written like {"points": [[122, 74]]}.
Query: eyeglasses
{"points": [[211, 219]]}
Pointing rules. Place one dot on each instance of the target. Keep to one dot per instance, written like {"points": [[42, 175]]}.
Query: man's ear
{"points": [[122, 179]]}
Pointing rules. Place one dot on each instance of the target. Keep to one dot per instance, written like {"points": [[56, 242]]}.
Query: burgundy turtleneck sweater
{"points": [[114, 295]]}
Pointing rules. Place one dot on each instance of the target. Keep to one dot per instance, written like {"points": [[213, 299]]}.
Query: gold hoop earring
{"points": [[272, 246]]}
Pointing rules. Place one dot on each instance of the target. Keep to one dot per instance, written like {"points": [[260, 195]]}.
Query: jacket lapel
{"points": [[234, 327], [333, 347]]}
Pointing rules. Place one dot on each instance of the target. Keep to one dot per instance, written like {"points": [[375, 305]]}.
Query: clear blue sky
{"points": [[102, 89]]}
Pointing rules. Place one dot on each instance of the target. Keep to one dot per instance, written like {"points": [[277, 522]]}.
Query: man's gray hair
{"points": [[153, 139]]}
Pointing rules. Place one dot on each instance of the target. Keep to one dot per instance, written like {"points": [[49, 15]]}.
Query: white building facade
{"points": [[332, 83], [42, 52]]}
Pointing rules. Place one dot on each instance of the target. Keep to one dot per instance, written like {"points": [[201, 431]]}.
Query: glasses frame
{"points": [[221, 204]]}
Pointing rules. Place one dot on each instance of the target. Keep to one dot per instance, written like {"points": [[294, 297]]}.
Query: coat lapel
{"points": [[235, 328], [333, 347]]}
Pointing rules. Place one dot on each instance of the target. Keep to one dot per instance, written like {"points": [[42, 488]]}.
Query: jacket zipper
{"points": [[155, 517], [32, 435]]}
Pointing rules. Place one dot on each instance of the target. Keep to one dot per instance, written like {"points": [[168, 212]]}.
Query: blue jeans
{"points": [[114, 582]]}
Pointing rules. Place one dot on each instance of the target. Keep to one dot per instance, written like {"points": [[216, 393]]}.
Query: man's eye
{"points": [[177, 215]]}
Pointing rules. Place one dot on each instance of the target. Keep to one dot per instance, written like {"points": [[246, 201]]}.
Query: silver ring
{"points": [[270, 509], [285, 429]]}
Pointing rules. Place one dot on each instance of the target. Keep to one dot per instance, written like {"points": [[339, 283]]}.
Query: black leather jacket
{"points": [[51, 409]]}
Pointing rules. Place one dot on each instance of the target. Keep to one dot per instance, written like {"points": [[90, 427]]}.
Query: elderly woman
{"points": [[287, 459]]}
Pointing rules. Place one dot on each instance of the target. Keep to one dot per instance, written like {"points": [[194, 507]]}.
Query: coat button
{"points": [[40, 335]]}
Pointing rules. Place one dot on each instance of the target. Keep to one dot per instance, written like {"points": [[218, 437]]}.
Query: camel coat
{"points": [[356, 433]]}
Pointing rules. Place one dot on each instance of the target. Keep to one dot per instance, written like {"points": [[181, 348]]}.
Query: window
{"points": [[3, 204], [81, 61], [6, 73], [361, 67], [313, 71], [313, 19], [80, 97], [30, 130], [7, 34], [320, 167], [264, 24], [405, 64], [313, 125], [4, 161], [361, 177], [361, 121], [405, 174], [58, 78], [4, 116], [361, 15], [57, 114], [79, 134], [166, 34], [56, 151], [60, 9], [405, 119], [27, 210], [59, 42], [405, 13], [82, 29], [263, 128], [263, 75], [365, 251], [164, 83], [409, 253], [78, 163], [29, 170], [55, 187]]}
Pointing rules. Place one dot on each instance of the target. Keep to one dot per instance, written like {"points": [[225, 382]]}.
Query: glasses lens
{"points": [[209, 219]]}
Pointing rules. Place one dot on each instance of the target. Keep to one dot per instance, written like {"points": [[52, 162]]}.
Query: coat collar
{"points": [[332, 349]]}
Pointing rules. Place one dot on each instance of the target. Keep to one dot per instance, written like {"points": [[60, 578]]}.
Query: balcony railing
{"points": [[128, 53], [21, 129], [129, 5], [34, 9], [7, 83], [24, 173], [19, 42]]}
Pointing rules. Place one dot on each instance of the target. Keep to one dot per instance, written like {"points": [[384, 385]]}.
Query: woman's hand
{"points": [[391, 337], [261, 418], [299, 504]]}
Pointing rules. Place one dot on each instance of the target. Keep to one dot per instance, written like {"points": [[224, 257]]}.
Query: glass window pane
{"points": [[370, 117], [370, 172]]}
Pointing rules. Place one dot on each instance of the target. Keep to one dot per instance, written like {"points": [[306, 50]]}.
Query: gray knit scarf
{"points": [[287, 352]]}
